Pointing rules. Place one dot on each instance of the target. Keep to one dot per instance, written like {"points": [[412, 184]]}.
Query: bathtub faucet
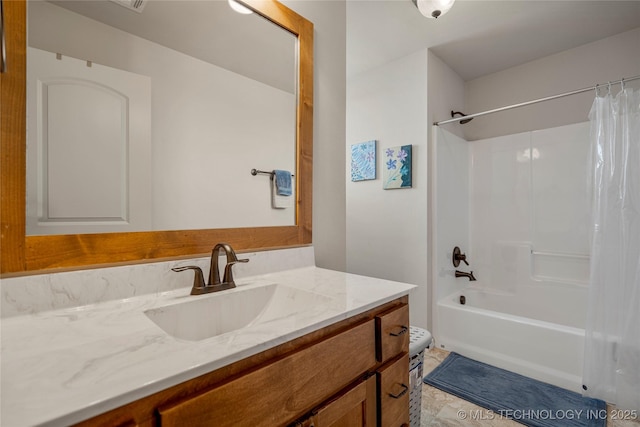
{"points": [[463, 274]]}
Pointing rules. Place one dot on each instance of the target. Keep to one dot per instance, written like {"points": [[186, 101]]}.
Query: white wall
{"points": [[387, 229], [329, 122], [395, 105], [446, 93], [605, 60]]}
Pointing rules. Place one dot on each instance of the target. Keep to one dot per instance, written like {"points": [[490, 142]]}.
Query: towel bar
{"points": [[255, 172]]}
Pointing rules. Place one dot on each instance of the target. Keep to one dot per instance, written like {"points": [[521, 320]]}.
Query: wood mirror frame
{"points": [[22, 253]]}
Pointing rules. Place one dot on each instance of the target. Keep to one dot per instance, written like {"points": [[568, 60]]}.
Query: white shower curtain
{"points": [[612, 345]]}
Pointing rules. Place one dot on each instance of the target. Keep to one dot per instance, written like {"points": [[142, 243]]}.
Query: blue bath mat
{"points": [[510, 395]]}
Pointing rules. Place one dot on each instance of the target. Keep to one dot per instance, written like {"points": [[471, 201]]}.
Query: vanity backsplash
{"points": [[53, 291]]}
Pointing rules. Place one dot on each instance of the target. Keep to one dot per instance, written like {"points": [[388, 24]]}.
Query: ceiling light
{"points": [[136, 5], [239, 8], [433, 8]]}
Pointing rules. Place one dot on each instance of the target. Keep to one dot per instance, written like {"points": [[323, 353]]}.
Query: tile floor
{"points": [[442, 409]]}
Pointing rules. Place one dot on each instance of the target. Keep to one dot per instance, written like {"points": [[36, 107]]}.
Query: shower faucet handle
{"points": [[458, 256]]}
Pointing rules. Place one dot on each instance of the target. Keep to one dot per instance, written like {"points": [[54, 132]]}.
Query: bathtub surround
{"points": [[450, 216], [524, 200], [482, 330], [612, 352]]}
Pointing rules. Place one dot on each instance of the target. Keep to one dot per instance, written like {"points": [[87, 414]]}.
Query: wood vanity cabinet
{"points": [[392, 340], [356, 406], [352, 373], [394, 393]]}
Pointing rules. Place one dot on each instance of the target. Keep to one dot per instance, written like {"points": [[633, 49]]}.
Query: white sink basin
{"points": [[206, 316]]}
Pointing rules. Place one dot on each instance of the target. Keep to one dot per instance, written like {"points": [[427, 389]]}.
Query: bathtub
{"points": [[530, 332]]}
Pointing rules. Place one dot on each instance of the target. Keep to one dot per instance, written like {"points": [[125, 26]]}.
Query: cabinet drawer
{"points": [[392, 329], [281, 391], [354, 408], [393, 393]]}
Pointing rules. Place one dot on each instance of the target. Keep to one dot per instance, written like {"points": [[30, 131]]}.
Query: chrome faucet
{"points": [[214, 285], [468, 275]]}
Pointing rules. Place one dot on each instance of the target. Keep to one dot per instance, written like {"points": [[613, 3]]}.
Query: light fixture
{"points": [[135, 5], [239, 8], [433, 8]]}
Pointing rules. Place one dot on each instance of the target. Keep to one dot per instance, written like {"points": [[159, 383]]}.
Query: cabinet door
{"points": [[393, 393], [392, 330], [354, 408], [278, 393]]}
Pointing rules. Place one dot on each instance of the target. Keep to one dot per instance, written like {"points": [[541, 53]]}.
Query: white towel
{"points": [[281, 202]]}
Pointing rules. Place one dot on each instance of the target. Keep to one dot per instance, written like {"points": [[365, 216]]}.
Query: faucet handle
{"points": [[198, 278], [228, 274], [458, 256]]}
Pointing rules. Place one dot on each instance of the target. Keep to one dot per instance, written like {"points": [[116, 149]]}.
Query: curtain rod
{"points": [[535, 101]]}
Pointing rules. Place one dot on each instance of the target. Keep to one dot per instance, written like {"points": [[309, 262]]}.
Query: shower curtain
{"points": [[612, 345]]}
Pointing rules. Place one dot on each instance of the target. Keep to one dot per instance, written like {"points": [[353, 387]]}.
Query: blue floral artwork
{"points": [[397, 167], [363, 161]]}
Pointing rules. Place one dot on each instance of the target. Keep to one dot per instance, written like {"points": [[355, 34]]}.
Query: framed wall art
{"points": [[397, 167], [363, 161]]}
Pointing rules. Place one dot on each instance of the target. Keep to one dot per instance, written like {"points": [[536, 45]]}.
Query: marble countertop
{"points": [[63, 366]]}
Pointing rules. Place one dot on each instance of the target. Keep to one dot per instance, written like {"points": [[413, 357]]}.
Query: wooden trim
{"points": [[50, 252], [303, 29], [13, 136], [305, 130], [21, 253]]}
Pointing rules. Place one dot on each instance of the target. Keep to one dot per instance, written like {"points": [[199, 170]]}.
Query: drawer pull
{"points": [[402, 393], [403, 330]]}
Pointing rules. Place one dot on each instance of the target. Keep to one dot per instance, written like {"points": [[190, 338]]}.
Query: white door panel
{"points": [[88, 147]]}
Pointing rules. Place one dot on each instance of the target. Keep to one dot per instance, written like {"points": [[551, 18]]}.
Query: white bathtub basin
{"points": [[205, 316]]}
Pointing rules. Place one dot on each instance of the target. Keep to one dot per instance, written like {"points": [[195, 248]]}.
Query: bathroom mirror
{"points": [[139, 125], [37, 252]]}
